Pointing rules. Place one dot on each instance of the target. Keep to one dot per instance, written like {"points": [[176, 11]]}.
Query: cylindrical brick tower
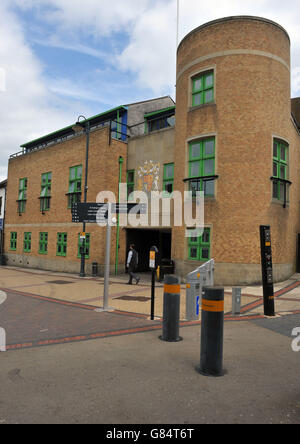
{"points": [[233, 136]]}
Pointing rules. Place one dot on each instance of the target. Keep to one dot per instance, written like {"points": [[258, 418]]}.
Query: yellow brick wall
{"points": [[251, 60], [103, 174]]}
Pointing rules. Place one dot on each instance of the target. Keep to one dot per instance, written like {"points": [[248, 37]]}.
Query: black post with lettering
{"points": [[267, 270]]}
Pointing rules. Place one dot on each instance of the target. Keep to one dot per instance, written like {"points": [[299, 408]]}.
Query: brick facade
{"points": [[103, 174], [250, 59], [251, 108]]}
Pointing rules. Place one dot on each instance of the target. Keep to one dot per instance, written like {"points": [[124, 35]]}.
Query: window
{"points": [[43, 243], [130, 183], [202, 166], [87, 244], [75, 179], [45, 192], [22, 196], [13, 240], [62, 239], [27, 242], [160, 123], [164, 118], [168, 178], [203, 89], [199, 247], [280, 170]]}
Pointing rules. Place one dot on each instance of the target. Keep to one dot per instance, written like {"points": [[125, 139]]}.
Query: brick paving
{"points": [[40, 311]]}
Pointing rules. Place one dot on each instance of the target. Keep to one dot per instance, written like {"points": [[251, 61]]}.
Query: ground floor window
{"points": [[13, 240], [27, 242], [199, 246], [43, 243], [62, 239], [86, 244]]}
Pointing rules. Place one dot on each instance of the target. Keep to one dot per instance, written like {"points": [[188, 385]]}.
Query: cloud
{"points": [[133, 42], [28, 109]]}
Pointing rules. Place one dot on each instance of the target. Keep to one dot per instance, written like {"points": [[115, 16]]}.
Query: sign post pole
{"points": [[153, 266]]}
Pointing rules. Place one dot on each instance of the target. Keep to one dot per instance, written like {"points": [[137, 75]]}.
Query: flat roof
{"points": [[67, 130]]}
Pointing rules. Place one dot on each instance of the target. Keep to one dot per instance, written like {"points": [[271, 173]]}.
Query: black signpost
{"points": [[153, 264], [267, 270]]}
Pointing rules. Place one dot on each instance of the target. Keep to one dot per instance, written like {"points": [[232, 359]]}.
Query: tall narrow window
{"points": [[27, 242], [202, 166], [75, 180], [130, 183], [62, 239], [199, 247], [203, 89], [45, 196], [22, 197], [13, 240], [280, 170], [43, 243], [87, 245], [168, 178]]}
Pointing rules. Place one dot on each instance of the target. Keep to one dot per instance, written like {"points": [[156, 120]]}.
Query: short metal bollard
{"points": [[95, 269], [171, 313], [236, 301], [212, 332]]}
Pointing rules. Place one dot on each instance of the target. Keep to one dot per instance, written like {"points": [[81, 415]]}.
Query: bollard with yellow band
{"points": [[171, 313], [212, 332]]}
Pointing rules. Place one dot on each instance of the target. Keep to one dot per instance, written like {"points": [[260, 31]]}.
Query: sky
{"points": [[63, 58]]}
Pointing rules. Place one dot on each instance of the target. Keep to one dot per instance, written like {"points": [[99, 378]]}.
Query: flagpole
{"points": [[177, 41]]}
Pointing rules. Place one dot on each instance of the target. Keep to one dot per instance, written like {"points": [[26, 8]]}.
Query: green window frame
{"points": [[280, 168], [168, 181], [45, 196], [75, 182], [27, 242], [199, 246], [43, 243], [203, 88], [62, 241], [13, 240], [22, 196], [130, 183], [87, 245], [202, 166]]}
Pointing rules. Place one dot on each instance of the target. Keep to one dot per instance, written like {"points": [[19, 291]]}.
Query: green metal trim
{"points": [[40, 139], [43, 242], [121, 161], [161, 111]]}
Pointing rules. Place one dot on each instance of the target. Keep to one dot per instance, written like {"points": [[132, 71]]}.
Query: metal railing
{"points": [[195, 281]]}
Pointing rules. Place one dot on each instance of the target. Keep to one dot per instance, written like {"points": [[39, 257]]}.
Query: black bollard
{"points": [[212, 332], [171, 314]]}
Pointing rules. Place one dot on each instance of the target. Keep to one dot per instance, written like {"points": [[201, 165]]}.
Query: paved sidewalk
{"points": [[134, 299]]}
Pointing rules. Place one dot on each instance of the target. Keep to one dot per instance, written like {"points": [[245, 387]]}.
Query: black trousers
{"points": [[132, 275]]}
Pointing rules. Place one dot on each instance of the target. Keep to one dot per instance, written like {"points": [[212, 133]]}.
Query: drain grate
{"points": [[60, 282], [134, 298]]}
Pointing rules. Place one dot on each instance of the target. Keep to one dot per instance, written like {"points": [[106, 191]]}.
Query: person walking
{"points": [[132, 263]]}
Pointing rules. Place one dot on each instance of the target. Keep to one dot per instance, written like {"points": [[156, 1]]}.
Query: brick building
{"points": [[236, 138]]}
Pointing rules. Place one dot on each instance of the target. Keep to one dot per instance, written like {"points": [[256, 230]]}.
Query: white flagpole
{"points": [[178, 10]]}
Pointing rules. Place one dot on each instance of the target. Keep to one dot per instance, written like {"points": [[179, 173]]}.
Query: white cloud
{"points": [[146, 49], [26, 109]]}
